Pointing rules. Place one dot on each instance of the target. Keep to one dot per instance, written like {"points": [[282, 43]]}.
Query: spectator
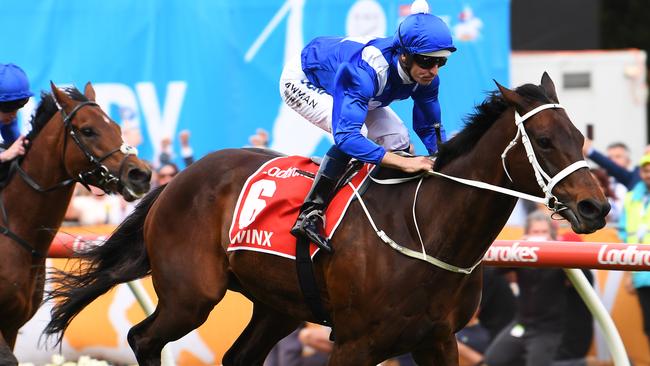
{"points": [[308, 345], [578, 329], [167, 153], [616, 163], [260, 139], [612, 198], [472, 342], [498, 302], [130, 127], [14, 94], [533, 338], [165, 174], [186, 150], [633, 228]]}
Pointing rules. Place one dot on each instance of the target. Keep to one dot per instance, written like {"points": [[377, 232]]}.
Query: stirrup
{"points": [[314, 237]]}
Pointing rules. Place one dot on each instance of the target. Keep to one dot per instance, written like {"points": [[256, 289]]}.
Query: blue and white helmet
{"points": [[424, 34], [14, 84]]}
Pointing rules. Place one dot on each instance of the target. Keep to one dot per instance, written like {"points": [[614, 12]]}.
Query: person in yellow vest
{"points": [[634, 227]]}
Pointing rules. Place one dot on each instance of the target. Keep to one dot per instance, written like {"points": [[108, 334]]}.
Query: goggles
{"points": [[12, 106], [427, 62]]}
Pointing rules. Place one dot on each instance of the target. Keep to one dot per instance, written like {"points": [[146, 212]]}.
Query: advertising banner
{"points": [[213, 67]]}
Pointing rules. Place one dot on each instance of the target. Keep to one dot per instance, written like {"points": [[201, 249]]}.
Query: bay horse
{"points": [[72, 140], [382, 303]]}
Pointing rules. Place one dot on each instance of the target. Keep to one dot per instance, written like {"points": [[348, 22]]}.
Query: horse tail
{"points": [[122, 258]]}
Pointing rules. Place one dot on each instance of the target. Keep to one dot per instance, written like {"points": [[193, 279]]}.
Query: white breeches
{"points": [[382, 125]]}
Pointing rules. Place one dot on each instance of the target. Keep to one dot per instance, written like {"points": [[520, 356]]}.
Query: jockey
{"points": [[14, 94], [344, 86]]}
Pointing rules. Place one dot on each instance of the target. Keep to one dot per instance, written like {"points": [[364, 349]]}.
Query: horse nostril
{"points": [[139, 176], [592, 209]]}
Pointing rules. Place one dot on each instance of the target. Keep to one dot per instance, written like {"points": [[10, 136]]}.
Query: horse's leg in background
{"points": [[182, 307], [189, 281], [438, 353], [264, 330], [7, 342]]}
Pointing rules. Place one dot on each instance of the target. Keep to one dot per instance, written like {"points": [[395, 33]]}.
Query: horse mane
{"points": [[47, 108], [483, 117]]}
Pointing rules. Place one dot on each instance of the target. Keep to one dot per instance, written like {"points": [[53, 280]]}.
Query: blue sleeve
{"points": [[10, 132], [354, 88], [622, 175], [426, 112]]}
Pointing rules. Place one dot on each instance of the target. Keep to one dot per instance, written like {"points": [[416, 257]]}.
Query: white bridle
{"points": [[546, 183]]}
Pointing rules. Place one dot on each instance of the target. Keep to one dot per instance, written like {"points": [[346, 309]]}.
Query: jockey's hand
{"points": [[407, 164], [16, 149]]}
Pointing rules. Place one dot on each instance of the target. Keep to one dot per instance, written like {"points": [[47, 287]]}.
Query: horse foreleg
{"points": [[185, 298], [6, 355], [443, 353], [264, 330]]}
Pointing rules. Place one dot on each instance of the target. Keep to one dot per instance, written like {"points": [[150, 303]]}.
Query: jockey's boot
{"points": [[311, 220]]}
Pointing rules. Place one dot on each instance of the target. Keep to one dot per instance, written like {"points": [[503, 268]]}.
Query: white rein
{"points": [[545, 182]]}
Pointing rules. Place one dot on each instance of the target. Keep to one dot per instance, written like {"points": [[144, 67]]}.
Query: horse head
{"points": [[553, 162], [93, 149]]}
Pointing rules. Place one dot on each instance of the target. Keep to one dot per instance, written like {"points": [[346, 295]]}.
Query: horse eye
{"points": [[544, 142], [87, 131]]}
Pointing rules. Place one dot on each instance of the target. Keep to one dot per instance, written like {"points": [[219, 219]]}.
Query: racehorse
{"points": [[79, 144], [382, 303]]}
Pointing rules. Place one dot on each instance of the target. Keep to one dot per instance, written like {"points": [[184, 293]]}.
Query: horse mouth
{"points": [[131, 193], [581, 224]]}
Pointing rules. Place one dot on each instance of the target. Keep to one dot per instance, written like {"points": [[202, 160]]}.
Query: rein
{"points": [[99, 171], [545, 182]]}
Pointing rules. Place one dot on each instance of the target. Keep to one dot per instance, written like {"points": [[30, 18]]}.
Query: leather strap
{"points": [[308, 285]]}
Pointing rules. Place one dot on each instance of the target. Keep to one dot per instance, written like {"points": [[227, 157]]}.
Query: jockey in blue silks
{"points": [[14, 94], [344, 86]]}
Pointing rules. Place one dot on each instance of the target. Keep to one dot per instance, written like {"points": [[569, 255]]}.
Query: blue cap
{"points": [[14, 84], [422, 34]]}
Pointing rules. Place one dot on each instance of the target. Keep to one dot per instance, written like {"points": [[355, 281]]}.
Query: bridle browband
{"points": [[99, 171], [545, 182]]}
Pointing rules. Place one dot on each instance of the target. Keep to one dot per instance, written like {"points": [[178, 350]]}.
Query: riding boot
{"points": [[311, 220]]}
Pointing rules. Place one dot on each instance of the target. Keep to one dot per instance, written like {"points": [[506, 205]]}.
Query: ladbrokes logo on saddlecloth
{"points": [[630, 256], [514, 253]]}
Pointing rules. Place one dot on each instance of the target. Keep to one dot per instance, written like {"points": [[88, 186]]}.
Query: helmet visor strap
{"points": [[427, 62], [13, 105]]}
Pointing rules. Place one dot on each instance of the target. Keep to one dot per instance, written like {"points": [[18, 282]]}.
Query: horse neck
{"points": [[28, 210], [466, 220]]}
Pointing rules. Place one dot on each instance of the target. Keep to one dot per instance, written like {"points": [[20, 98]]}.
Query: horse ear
{"points": [[89, 91], [510, 96], [549, 87], [61, 98]]}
